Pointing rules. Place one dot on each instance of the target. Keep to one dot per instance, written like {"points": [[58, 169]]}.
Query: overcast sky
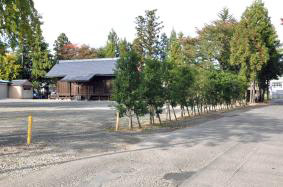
{"points": [[89, 21]]}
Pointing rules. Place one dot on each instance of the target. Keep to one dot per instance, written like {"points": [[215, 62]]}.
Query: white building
{"points": [[276, 88], [17, 89], [4, 87]]}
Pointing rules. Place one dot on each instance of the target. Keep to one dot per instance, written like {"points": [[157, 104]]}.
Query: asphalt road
{"points": [[241, 148]]}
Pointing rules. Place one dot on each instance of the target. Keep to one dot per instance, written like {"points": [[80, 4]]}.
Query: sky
{"points": [[89, 21]]}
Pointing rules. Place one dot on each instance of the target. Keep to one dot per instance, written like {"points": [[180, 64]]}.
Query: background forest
{"points": [[215, 67]]}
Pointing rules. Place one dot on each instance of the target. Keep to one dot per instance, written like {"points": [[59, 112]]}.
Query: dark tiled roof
{"points": [[83, 70]]}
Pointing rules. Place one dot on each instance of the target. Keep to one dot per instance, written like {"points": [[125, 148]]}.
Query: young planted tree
{"points": [[150, 49], [174, 59], [154, 94], [182, 80], [128, 91]]}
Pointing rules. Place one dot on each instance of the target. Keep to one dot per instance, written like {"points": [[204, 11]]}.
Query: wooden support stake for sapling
{"points": [[117, 120]]}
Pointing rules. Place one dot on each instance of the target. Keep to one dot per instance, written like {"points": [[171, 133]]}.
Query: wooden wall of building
{"points": [[97, 88]]}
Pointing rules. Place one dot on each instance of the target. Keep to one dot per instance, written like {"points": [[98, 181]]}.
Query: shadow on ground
{"points": [[85, 132]]}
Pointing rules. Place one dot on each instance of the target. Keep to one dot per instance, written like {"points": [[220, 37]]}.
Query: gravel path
{"points": [[239, 148], [62, 131]]}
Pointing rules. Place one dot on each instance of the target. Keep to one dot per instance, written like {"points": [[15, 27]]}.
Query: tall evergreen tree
{"points": [[41, 60], [163, 46], [175, 54], [148, 45], [124, 47], [148, 34], [254, 44], [59, 44], [112, 46]]}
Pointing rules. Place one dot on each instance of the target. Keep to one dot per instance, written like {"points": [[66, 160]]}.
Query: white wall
{"points": [[15, 92], [27, 94], [3, 91], [276, 91]]}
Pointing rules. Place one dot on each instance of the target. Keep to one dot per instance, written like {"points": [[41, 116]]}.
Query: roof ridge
{"points": [[88, 60]]}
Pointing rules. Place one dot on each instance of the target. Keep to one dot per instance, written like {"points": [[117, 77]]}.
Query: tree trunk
{"points": [[174, 113], [188, 111], [130, 120], [151, 116], [169, 111], [263, 94], [117, 121], [138, 119], [159, 118], [253, 93], [182, 112], [267, 91], [206, 107]]}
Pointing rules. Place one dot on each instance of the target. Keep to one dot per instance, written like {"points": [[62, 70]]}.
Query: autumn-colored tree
{"points": [[9, 67], [59, 45], [73, 51], [85, 52], [214, 40]]}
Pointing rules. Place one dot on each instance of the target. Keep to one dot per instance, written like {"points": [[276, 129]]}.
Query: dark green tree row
{"points": [[210, 72], [167, 72]]}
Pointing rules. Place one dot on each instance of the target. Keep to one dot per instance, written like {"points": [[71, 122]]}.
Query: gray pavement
{"points": [[239, 148]]}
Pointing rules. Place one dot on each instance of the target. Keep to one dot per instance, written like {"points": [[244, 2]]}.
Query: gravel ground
{"points": [[63, 131], [238, 148]]}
